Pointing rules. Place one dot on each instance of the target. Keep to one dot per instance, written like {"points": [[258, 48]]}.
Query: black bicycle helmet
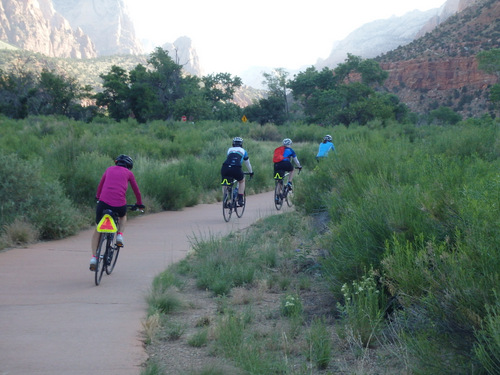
{"points": [[124, 161], [237, 142]]}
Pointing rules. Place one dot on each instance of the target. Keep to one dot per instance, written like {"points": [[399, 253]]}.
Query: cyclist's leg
{"points": [[240, 177], [290, 169], [95, 241], [241, 187], [121, 223], [122, 220]]}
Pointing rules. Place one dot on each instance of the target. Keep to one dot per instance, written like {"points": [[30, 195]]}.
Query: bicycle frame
{"points": [[281, 190], [230, 198], [107, 251]]}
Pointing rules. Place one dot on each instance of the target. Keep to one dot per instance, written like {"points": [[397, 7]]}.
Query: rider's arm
{"points": [[135, 188], [99, 187], [248, 165], [297, 163]]}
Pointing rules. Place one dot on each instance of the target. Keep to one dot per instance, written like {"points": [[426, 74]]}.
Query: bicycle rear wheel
{"points": [[113, 252], [100, 254], [278, 196], [227, 200], [239, 210]]}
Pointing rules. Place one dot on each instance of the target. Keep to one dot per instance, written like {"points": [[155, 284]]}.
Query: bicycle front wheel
{"points": [[278, 197], [288, 196], [100, 253], [227, 203], [239, 210]]}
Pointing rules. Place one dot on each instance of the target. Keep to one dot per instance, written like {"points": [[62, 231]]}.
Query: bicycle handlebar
{"points": [[136, 207]]}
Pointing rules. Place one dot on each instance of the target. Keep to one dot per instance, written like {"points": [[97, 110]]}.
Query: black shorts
{"points": [[232, 171], [284, 165], [101, 206]]}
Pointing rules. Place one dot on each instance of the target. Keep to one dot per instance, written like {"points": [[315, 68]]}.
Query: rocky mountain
{"points": [[107, 22], [380, 36], [377, 37], [183, 53], [441, 68], [34, 25], [69, 28], [447, 10]]}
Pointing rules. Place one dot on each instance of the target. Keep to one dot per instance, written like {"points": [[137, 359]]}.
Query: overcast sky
{"points": [[231, 36]]}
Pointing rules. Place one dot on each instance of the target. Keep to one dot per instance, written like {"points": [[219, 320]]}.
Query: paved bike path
{"points": [[54, 320]]}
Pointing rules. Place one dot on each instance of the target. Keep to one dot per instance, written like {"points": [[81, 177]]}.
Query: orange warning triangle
{"points": [[107, 225]]}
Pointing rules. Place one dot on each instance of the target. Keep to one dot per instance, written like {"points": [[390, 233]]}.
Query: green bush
{"points": [[487, 348], [364, 308], [26, 194]]}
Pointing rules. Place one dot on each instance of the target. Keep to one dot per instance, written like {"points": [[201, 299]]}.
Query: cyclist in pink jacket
{"points": [[111, 194]]}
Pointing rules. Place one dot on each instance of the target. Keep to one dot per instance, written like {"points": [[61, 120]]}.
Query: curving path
{"points": [[54, 320]]}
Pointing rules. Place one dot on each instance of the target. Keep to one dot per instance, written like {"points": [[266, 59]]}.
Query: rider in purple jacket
{"points": [[111, 194]]}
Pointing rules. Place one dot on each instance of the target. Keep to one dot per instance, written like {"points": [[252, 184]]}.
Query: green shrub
{"points": [[291, 305], [319, 343], [20, 233], [40, 201], [487, 348], [364, 308]]}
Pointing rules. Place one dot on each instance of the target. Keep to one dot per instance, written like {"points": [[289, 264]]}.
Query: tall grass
{"points": [[423, 208], [58, 162]]}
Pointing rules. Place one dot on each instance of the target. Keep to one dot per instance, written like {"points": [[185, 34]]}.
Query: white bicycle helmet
{"points": [[328, 138], [237, 142], [287, 142]]}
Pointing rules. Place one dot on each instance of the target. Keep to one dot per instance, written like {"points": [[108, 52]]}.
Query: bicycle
{"points": [[282, 192], [230, 198], [107, 250]]}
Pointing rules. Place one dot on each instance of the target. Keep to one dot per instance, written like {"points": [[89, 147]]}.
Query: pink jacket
{"points": [[113, 186]]}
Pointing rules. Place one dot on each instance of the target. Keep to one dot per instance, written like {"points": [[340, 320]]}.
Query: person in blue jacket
{"points": [[325, 147]]}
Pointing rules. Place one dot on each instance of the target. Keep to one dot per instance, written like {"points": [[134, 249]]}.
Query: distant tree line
{"points": [[25, 93], [159, 91], [350, 93]]}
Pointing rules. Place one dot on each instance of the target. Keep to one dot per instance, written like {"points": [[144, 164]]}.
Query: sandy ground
{"points": [[54, 320]]}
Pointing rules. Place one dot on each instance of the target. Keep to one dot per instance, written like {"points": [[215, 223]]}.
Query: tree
{"points": [[350, 65], [276, 83], [220, 87], [166, 81], [489, 61], [371, 72], [142, 97], [16, 92], [116, 94], [444, 115], [346, 94], [56, 93], [268, 110]]}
